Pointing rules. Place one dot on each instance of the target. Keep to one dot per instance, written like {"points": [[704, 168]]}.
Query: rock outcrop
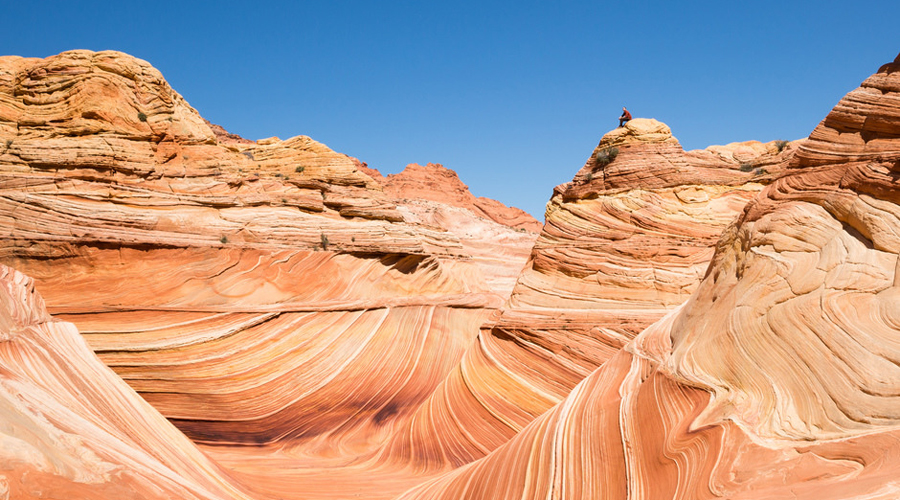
{"points": [[707, 324], [778, 378], [434, 182], [625, 242], [499, 238], [244, 289], [71, 428]]}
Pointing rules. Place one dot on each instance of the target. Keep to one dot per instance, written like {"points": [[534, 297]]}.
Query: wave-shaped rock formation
{"points": [[624, 243], [707, 324], [254, 292], [71, 428], [778, 378]]}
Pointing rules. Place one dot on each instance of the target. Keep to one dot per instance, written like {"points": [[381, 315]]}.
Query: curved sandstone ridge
{"points": [[434, 182], [72, 429], [242, 288], [619, 250], [863, 125], [708, 324], [778, 378]]}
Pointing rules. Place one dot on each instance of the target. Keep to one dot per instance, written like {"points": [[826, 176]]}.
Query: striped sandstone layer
{"points": [[71, 428], [244, 289], [778, 378], [499, 238], [623, 244]]}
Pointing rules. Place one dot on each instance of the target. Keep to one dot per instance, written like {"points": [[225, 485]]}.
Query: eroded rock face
{"points": [[776, 379], [434, 182], [318, 338], [71, 428], [624, 243], [499, 238], [235, 285]]}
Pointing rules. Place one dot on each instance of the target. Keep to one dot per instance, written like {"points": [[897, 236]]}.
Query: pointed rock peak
{"points": [[861, 127], [639, 131]]}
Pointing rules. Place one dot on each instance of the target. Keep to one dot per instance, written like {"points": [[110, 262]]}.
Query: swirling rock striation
{"points": [[778, 378], [242, 288], [71, 428], [624, 243], [499, 238]]}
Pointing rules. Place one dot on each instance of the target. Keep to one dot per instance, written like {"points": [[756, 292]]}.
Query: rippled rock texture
{"points": [[707, 324], [499, 238], [71, 428], [778, 378], [624, 243], [257, 293]]}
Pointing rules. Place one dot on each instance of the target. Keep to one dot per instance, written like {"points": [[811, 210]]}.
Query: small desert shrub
{"points": [[279, 174], [781, 145], [324, 241], [249, 155], [223, 240], [299, 169], [142, 117], [746, 167], [589, 177], [605, 157]]}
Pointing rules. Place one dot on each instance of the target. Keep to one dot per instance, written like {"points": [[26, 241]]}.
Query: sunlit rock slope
{"points": [[261, 292], [624, 243], [71, 428], [778, 378], [707, 324], [499, 238]]}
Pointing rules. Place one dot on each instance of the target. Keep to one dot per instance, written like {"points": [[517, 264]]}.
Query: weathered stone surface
{"points": [[243, 288], [499, 238], [434, 182], [624, 243], [71, 428], [778, 378], [707, 324]]}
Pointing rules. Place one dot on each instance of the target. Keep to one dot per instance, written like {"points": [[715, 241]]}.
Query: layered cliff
{"points": [[705, 324], [499, 238]]}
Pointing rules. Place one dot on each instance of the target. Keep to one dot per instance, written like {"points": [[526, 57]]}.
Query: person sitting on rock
{"points": [[625, 116]]}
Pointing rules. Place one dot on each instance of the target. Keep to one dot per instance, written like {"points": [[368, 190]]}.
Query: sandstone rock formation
{"points": [[434, 182], [777, 379], [624, 243], [499, 238], [243, 289], [706, 324], [71, 428]]}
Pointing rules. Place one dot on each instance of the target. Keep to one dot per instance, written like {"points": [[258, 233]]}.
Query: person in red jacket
{"points": [[625, 116]]}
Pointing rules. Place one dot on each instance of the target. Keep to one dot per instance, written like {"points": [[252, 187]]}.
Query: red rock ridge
{"points": [[71, 428], [437, 183]]}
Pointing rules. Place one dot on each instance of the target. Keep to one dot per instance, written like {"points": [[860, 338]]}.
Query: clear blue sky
{"points": [[513, 95]]}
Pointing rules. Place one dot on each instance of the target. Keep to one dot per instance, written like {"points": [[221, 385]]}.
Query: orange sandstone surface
{"points": [[271, 319]]}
